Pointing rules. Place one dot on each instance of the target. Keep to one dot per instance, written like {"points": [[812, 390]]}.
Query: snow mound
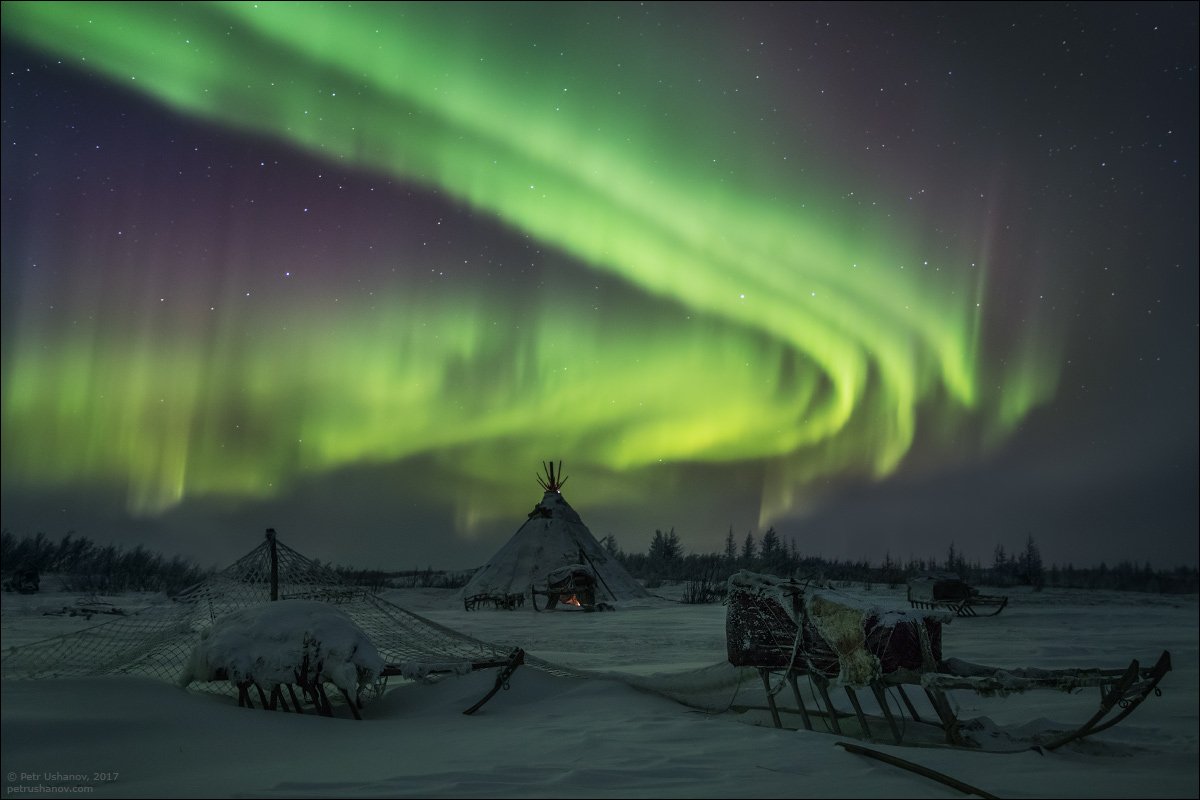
{"points": [[289, 641]]}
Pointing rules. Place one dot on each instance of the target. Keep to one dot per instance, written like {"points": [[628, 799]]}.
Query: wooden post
{"points": [[911, 708], [325, 708], [274, 564], [295, 702], [791, 676], [764, 673], [937, 699], [584, 556], [822, 687], [858, 712], [881, 698], [352, 703]]}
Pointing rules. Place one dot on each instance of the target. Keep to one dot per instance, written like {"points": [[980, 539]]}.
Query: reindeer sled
{"points": [[947, 592], [788, 632]]}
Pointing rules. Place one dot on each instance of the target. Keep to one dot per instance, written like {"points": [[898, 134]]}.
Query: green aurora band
{"points": [[787, 329]]}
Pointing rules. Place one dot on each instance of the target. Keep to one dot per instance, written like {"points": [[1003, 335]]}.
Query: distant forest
{"points": [[84, 566], [665, 561]]}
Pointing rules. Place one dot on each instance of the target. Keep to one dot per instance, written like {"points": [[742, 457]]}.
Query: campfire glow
{"points": [[570, 600]]}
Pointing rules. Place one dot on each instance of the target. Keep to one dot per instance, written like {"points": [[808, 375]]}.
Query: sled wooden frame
{"points": [[1121, 692], [932, 774], [506, 601], [314, 693], [967, 607]]}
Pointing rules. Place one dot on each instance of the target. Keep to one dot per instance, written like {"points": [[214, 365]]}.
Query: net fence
{"points": [[158, 642]]}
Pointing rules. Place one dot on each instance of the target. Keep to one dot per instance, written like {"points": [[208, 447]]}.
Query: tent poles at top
{"points": [[551, 483]]}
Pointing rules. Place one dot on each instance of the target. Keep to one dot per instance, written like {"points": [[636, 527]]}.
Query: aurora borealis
{"points": [[735, 264]]}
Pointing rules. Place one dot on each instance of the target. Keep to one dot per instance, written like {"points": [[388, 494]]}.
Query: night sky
{"points": [[886, 277]]}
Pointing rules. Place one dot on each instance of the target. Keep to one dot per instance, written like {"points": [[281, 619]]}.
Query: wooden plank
{"points": [[822, 687], [858, 712], [949, 722], [932, 774], [911, 708], [791, 675], [881, 698], [765, 674], [295, 702]]}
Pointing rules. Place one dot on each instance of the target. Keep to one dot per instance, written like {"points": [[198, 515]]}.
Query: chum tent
{"points": [[160, 641], [552, 538]]}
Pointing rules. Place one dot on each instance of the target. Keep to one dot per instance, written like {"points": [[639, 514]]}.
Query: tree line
{"points": [[665, 560], [81, 565], [429, 578], [85, 566]]}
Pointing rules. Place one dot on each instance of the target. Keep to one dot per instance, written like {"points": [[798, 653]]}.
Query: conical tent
{"points": [[554, 536]]}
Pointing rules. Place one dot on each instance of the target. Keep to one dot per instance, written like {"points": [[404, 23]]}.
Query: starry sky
{"points": [[884, 276]]}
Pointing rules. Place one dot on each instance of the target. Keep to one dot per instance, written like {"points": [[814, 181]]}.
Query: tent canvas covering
{"points": [[553, 537]]}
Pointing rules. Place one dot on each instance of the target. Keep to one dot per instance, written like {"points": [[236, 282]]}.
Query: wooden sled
{"points": [[505, 600], [945, 592], [892, 658], [313, 692], [308, 678], [969, 607]]}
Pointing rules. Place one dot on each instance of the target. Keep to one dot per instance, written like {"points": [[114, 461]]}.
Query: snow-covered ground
{"points": [[549, 736]]}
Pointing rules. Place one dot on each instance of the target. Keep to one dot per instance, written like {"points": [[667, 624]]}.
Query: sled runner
{"points": [[787, 633]]}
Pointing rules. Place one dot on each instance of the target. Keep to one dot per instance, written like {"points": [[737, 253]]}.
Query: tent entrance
{"points": [[571, 587]]}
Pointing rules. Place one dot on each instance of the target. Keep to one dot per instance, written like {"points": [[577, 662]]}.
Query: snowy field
{"points": [[549, 736]]}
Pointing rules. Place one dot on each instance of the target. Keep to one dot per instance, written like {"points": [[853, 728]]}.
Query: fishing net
{"points": [[158, 642]]}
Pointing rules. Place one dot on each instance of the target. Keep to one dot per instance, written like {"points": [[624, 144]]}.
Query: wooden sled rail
{"points": [[954, 673], [932, 774], [1122, 691]]}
